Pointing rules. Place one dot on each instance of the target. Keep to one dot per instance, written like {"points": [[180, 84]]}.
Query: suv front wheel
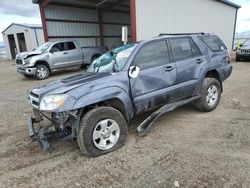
{"points": [[102, 130], [210, 95]]}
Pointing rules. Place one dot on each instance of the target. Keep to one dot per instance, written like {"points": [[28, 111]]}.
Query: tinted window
{"points": [[181, 48], [152, 55], [58, 47], [71, 45], [195, 50], [247, 43], [213, 42]]}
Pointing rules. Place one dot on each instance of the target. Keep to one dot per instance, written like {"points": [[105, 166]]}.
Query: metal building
{"points": [[99, 22], [21, 37]]}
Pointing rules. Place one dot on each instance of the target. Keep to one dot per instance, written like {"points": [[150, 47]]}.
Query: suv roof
{"points": [[164, 34]]}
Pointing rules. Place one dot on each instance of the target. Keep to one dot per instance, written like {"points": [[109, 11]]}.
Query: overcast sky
{"points": [[23, 11], [18, 11]]}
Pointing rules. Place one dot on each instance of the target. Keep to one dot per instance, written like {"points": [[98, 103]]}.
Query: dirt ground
{"points": [[187, 147]]}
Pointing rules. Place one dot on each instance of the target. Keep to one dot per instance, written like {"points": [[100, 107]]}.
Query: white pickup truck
{"points": [[53, 56]]}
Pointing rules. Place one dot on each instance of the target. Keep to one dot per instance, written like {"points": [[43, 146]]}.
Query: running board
{"points": [[144, 128]]}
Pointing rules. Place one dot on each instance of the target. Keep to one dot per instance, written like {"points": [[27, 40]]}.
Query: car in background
{"points": [[53, 56], [244, 51]]}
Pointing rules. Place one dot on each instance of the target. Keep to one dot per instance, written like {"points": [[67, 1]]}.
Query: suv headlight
{"points": [[52, 102]]}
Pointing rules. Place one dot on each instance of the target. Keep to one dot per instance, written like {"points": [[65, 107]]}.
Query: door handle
{"points": [[65, 53], [198, 61], [169, 68]]}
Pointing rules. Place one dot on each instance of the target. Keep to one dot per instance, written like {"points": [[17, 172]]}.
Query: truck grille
{"points": [[245, 51], [19, 62], [34, 100]]}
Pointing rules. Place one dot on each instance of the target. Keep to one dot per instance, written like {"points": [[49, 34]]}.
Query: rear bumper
{"points": [[243, 56], [226, 71], [26, 70]]}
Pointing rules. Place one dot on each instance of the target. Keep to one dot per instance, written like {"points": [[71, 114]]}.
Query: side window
{"points": [[58, 47], [71, 45], [195, 50], [152, 55], [181, 48], [247, 43], [213, 42]]}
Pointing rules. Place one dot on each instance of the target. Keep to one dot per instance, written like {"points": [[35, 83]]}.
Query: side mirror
{"points": [[133, 71], [241, 45], [52, 50]]}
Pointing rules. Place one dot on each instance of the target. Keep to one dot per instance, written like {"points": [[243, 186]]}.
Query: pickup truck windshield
{"points": [[112, 61], [43, 47]]}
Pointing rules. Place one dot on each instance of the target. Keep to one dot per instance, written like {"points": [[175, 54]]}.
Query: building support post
{"points": [[42, 6], [133, 20], [100, 20]]}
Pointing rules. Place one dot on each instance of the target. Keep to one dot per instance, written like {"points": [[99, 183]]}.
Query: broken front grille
{"points": [[34, 100], [245, 51], [19, 62]]}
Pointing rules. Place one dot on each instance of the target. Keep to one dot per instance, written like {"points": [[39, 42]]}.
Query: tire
{"points": [[93, 140], [94, 57], [210, 95], [237, 58], [42, 72]]}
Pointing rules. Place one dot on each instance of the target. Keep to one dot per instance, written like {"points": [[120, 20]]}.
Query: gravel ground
{"points": [[185, 147]]}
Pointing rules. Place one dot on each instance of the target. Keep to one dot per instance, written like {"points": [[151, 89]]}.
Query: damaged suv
{"points": [[159, 74]]}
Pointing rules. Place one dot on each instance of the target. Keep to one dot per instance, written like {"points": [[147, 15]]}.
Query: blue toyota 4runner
{"points": [[162, 73]]}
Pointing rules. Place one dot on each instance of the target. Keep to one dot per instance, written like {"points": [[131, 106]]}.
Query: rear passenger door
{"points": [[74, 54], [189, 60], [152, 87]]}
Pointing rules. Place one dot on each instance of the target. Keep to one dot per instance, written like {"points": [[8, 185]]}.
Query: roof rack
{"points": [[162, 34]]}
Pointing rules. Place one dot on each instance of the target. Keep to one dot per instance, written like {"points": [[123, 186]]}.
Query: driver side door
{"points": [[152, 87], [58, 55]]}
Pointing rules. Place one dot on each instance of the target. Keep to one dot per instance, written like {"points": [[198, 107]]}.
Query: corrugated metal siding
{"points": [[177, 16], [59, 30], [72, 29], [63, 29], [82, 41], [116, 17], [121, 19], [70, 13]]}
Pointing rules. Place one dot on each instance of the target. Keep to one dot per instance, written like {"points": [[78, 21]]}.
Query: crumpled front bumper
{"points": [[40, 136], [26, 70]]}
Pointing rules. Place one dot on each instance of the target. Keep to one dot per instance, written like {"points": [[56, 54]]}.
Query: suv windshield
{"points": [[43, 47], [112, 61]]}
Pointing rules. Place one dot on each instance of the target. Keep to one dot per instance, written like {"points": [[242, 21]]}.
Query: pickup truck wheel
{"points": [[42, 72], [102, 130], [210, 95]]}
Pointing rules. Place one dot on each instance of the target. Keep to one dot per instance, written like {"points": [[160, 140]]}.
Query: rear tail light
{"points": [[229, 58]]}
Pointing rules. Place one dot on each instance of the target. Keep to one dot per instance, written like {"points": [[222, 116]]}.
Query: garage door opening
{"points": [[12, 46], [90, 22], [21, 42]]}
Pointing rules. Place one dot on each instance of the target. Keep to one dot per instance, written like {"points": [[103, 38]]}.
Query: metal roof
{"points": [[229, 3], [30, 26], [102, 2]]}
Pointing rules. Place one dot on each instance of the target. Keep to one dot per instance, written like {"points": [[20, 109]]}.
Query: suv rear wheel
{"points": [[102, 130], [210, 95]]}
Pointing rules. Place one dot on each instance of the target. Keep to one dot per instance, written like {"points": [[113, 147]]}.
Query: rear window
{"points": [[71, 46], [213, 42]]}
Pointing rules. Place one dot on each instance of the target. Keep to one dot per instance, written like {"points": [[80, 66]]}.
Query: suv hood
{"points": [[67, 84], [24, 55]]}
